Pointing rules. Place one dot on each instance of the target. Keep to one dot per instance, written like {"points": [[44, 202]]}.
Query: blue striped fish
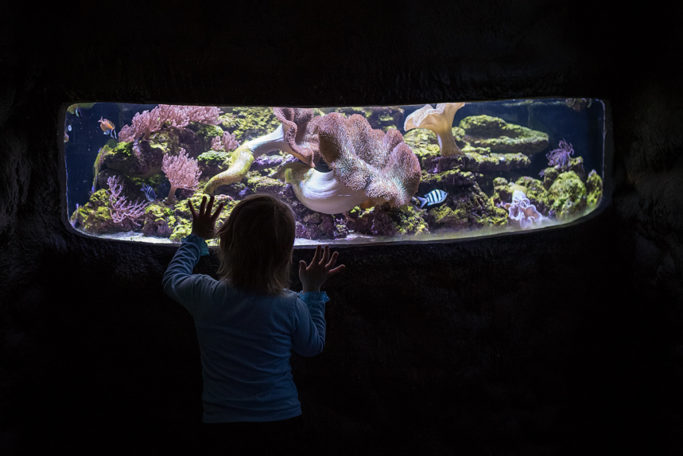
{"points": [[149, 192], [432, 198]]}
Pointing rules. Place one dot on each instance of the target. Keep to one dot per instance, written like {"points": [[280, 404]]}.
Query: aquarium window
{"points": [[353, 175]]}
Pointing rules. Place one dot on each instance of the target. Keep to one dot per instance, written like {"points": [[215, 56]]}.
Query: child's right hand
{"points": [[321, 268]]}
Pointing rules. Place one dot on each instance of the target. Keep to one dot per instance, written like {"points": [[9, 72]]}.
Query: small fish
{"points": [[107, 127], [149, 192], [432, 198], [66, 135]]}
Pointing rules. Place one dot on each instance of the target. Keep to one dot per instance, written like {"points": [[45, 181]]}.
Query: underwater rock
{"points": [[446, 179], [469, 207], [568, 195], [593, 189], [385, 220], [499, 136], [158, 220], [267, 161], [574, 164], [246, 123], [94, 217], [533, 189], [213, 162], [258, 183], [478, 163]]}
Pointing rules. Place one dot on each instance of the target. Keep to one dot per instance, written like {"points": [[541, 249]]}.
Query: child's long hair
{"points": [[256, 244]]}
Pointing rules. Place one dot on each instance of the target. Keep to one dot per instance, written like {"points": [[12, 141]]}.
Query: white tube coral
{"points": [[322, 192]]}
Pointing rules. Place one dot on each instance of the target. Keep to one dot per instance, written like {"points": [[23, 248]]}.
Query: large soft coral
{"points": [[440, 121], [363, 159]]}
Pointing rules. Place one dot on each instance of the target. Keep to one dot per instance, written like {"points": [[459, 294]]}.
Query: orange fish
{"points": [[107, 127]]}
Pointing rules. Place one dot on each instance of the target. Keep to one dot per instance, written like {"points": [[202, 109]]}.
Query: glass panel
{"points": [[416, 173]]}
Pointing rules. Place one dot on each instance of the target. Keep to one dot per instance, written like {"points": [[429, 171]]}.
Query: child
{"points": [[248, 321]]}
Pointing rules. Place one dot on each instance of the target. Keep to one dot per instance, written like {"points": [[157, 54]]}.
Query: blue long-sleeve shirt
{"points": [[245, 340]]}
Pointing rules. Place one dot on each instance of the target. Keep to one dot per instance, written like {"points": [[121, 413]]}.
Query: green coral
{"points": [[568, 195]]}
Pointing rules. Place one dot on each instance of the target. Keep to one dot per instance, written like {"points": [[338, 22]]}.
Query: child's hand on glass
{"points": [[321, 268], [203, 222]]}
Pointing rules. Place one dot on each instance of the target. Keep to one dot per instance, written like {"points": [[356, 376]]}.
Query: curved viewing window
{"points": [[353, 175]]}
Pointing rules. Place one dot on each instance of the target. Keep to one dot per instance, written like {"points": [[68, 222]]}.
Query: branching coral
{"points": [[226, 143], [120, 208], [294, 135], [440, 121], [148, 122], [181, 171]]}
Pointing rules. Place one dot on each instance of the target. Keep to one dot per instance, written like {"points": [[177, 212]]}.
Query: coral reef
{"points": [[344, 177]]}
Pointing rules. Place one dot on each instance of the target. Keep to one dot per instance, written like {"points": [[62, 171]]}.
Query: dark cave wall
{"points": [[537, 343]]}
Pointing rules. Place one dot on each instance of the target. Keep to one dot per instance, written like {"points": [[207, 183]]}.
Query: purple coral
{"points": [[147, 122], [120, 208], [559, 158], [182, 172]]}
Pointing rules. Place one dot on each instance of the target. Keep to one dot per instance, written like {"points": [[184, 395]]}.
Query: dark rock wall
{"points": [[549, 342]]}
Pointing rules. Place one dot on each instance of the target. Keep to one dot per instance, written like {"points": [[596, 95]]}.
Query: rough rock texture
{"points": [[548, 342]]}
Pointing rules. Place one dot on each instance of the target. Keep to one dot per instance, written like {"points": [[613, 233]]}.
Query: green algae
{"points": [[568, 195]]}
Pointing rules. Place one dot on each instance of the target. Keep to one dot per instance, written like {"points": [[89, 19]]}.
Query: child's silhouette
{"points": [[248, 321]]}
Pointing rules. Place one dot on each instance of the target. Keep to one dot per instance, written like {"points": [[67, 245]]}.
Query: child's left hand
{"points": [[203, 222]]}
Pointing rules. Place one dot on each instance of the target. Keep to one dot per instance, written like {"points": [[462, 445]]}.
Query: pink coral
{"points": [[120, 208], [147, 122], [226, 143], [182, 172]]}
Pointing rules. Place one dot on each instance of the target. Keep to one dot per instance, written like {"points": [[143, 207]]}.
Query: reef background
{"points": [[538, 343]]}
